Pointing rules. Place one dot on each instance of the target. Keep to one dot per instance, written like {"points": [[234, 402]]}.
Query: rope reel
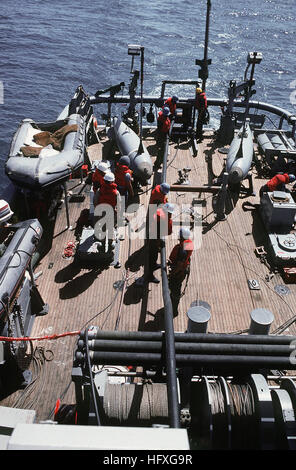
{"points": [[136, 404]]}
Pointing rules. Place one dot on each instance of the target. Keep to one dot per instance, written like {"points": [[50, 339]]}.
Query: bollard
{"points": [[261, 320], [198, 317]]}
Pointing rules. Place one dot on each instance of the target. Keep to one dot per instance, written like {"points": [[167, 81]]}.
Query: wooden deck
{"points": [[220, 270]]}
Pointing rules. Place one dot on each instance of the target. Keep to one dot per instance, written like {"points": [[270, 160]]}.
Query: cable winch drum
{"points": [[136, 404]]}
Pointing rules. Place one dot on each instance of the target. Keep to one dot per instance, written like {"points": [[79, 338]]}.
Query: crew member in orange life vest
{"points": [[159, 194], [163, 122], [171, 103], [108, 191], [123, 176], [107, 194], [163, 128], [278, 183], [162, 225], [201, 105], [98, 175], [179, 263]]}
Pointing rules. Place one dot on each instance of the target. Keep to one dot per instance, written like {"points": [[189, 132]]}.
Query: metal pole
{"points": [[172, 388], [206, 45], [67, 204], [212, 361], [189, 337], [141, 150]]}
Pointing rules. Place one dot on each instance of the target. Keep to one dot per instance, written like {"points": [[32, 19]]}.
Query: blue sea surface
{"points": [[49, 47]]}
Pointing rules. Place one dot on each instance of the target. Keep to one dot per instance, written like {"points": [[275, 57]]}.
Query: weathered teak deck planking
{"points": [[220, 269]]}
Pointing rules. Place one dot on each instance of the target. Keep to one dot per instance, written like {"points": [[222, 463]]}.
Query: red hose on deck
{"points": [[39, 338]]}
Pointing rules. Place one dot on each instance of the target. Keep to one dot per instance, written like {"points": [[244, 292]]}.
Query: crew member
{"points": [[277, 183], [159, 194], [163, 128], [179, 263], [107, 194], [171, 103], [161, 226], [98, 175], [201, 106], [163, 122], [123, 176]]}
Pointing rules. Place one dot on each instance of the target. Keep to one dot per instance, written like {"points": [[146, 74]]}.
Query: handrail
{"points": [[158, 101]]}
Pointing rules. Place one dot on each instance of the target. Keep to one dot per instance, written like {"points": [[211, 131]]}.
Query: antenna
{"points": [[137, 50]]}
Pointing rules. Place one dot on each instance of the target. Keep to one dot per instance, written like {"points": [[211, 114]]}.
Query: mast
{"points": [[203, 72]]}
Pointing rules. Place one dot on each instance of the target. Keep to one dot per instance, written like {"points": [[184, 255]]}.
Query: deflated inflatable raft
{"points": [[43, 154], [16, 258]]}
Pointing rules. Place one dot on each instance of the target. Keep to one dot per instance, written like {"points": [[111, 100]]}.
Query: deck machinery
{"points": [[226, 391]]}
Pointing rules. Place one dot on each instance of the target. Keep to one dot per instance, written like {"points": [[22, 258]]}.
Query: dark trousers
{"points": [[153, 251], [175, 286], [263, 189], [199, 124]]}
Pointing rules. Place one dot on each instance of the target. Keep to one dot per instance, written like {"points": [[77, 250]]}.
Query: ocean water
{"points": [[49, 47]]}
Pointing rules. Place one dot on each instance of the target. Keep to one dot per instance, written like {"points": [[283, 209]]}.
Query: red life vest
{"points": [[158, 228], [97, 179], [120, 173], [201, 102], [182, 252], [163, 123], [108, 194], [170, 104], [157, 196], [276, 181]]}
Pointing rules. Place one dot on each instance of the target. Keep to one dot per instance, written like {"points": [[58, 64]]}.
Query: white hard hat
{"points": [[184, 233], [168, 207], [5, 211], [109, 177], [103, 166]]}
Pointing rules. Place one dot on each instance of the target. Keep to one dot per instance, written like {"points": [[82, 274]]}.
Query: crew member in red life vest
{"points": [[277, 183], [161, 226], [171, 103], [179, 263], [201, 105], [163, 122], [107, 194], [163, 128], [123, 176], [98, 175], [159, 194]]}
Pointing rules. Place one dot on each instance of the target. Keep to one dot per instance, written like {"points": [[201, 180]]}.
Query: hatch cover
{"points": [[281, 289]]}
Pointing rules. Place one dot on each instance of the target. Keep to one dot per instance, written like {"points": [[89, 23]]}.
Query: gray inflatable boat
{"points": [[44, 154], [16, 259], [240, 155], [128, 144]]}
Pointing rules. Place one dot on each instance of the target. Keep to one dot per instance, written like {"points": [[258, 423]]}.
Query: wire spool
{"points": [[201, 430], [219, 417], [242, 409], [136, 404], [227, 411]]}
